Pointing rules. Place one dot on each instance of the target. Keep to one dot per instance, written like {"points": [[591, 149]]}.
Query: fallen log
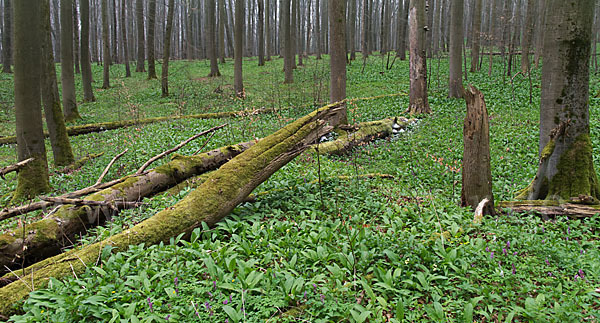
{"points": [[49, 236], [362, 133], [550, 209], [14, 167], [211, 202]]}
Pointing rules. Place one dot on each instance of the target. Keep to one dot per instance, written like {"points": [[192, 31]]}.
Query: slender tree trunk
{"points": [[33, 178], [150, 37], [318, 29], [293, 34], [167, 51], [76, 39], [212, 42], [337, 46], [56, 30], [105, 46], [365, 29], [436, 25], [287, 39], [261, 35], [404, 31], [141, 55], [66, 57], [222, 18], [86, 66], [113, 25], [299, 34], [7, 37], [527, 36], [238, 82], [59, 140], [476, 37], [456, 41], [124, 38], [268, 29], [351, 29], [418, 101], [541, 23]]}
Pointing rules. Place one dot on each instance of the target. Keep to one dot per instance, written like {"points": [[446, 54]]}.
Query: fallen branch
{"points": [[116, 204], [79, 163], [208, 204], [549, 209], [109, 166], [14, 167], [176, 148]]}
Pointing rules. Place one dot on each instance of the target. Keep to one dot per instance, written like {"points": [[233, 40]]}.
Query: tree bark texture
{"points": [[151, 36], [527, 36], [337, 46], [124, 38], [476, 169], [167, 50], [7, 37], [84, 47], [67, 74], [476, 36], [418, 101], [260, 31], [141, 55], [288, 56], [212, 42], [566, 167], [455, 86], [211, 202], [105, 46]]}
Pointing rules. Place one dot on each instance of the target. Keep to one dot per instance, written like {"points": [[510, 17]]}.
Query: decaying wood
{"points": [[116, 204], [50, 235], [105, 171], [550, 209], [210, 203], [176, 148], [14, 167]]}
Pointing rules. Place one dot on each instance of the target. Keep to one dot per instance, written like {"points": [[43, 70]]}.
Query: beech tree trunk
{"points": [[268, 30], [476, 169], [67, 74], [527, 36], [566, 168], [105, 46], [86, 66], [211, 40], [167, 50], [7, 37], [238, 82], [141, 56], [418, 101], [150, 37], [476, 36], [318, 49], [222, 18], [261, 35], [541, 23], [288, 55], [455, 86], [76, 54], [337, 46], [61, 147], [210, 203], [124, 39]]}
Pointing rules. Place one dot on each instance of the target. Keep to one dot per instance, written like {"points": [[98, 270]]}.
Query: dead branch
{"points": [[15, 167], [109, 166]]}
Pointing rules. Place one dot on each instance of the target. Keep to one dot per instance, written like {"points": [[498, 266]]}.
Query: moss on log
{"points": [[47, 237], [211, 202]]}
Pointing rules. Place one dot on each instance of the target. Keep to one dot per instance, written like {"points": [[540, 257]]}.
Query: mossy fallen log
{"points": [[363, 133], [211, 202], [48, 236], [103, 126], [549, 209]]}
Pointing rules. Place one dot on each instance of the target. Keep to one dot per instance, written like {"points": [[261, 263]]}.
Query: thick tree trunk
{"points": [[105, 46], [527, 36], [418, 101], [66, 58], [566, 168], [337, 46], [150, 36], [210, 203], [61, 147], [141, 55], [167, 50], [455, 86], [86, 66], [33, 178], [7, 37], [476, 170], [476, 36], [211, 39], [238, 82], [125, 44], [288, 56], [49, 236]]}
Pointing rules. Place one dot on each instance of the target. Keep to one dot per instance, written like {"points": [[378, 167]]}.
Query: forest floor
{"points": [[346, 250]]}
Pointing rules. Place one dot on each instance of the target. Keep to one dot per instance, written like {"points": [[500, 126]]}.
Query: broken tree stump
{"points": [[211, 202], [476, 170]]}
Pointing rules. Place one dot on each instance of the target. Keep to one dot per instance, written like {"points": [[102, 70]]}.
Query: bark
{"points": [[476, 170], [337, 45], [167, 50], [47, 237], [364, 41], [105, 46], [318, 49], [288, 55], [76, 51], [418, 101], [7, 37], [268, 29], [212, 42], [210, 203], [293, 34], [551, 209], [150, 37], [527, 36], [86, 66], [222, 18], [403, 31], [261, 35], [455, 86], [114, 42], [541, 23], [436, 25], [15, 167], [61, 147], [238, 82], [351, 28], [566, 166], [139, 17], [33, 178], [66, 58], [124, 39], [476, 36]]}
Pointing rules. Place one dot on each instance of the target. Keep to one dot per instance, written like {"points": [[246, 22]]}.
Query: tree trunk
{"points": [[318, 29], [436, 27], [150, 37], [455, 86], [337, 46], [86, 66], [476, 170], [124, 39], [106, 55], [566, 168], [211, 202], [418, 101], [403, 31], [364, 41], [212, 42], [141, 56], [33, 178], [76, 53], [222, 18], [114, 27], [527, 36], [476, 37], [167, 50], [70, 221], [67, 74], [293, 34], [268, 29], [541, 23], [351, 29], [238, 82], [7, 37], [287, 40], [261, 35], [61, 147]]}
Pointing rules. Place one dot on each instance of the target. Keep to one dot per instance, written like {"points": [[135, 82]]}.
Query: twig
{"points": [[206, 143], [19, 278], [15, 167], [109, 166], [183, 143]]}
